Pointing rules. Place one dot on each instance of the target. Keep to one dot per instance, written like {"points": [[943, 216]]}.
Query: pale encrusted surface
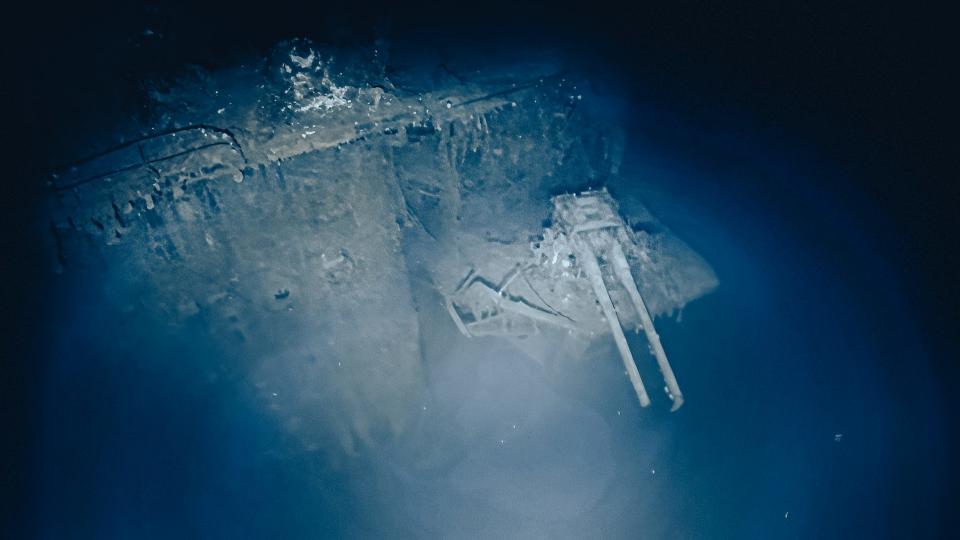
{"points": [[286, 207]]}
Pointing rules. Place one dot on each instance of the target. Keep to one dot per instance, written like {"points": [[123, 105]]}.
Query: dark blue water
{"points": [[817, 400], [811, 411], [821, 399]]}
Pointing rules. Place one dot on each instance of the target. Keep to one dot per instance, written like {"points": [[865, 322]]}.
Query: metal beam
{"points": [[622, 268], [588, 260]]}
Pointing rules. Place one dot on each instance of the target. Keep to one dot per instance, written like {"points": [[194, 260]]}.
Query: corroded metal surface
{"points": [[292, 209], [564, 269]]}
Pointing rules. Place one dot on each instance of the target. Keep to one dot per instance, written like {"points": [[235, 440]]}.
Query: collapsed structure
{"points": [[583, 252]]}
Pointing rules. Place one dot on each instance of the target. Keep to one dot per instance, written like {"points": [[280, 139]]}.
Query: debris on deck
{"points": [[580, 262]]}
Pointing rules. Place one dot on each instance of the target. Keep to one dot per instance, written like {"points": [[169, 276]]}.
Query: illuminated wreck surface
{"points": [[399, 302], [292, 204]]}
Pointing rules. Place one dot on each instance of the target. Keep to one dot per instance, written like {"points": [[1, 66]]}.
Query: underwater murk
{"points": [[354, 292]]}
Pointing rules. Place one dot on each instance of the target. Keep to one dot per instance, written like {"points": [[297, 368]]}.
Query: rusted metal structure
{"points": [[580, 263]]}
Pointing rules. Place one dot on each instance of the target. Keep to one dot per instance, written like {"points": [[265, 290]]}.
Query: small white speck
{"points": [[618, 412], [514, 426], [220, 110], [837, 437], [274, 394], [786, 515], [653, 471], [501, 442]]}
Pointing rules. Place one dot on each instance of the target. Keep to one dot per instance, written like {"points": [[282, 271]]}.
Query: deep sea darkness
{"points": [[804, 151]]}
